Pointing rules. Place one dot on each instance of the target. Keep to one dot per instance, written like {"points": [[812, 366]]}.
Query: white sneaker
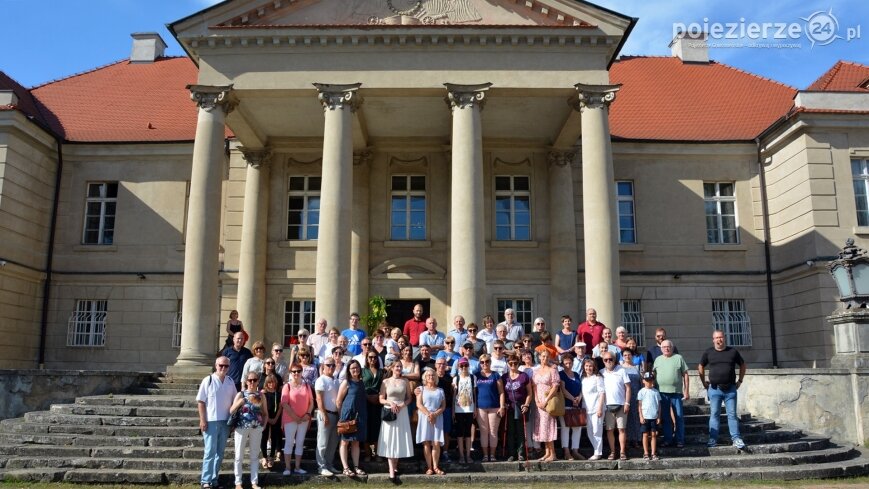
{"points": [[301, 471], [287, 472], [738, 443], [326, 473]]}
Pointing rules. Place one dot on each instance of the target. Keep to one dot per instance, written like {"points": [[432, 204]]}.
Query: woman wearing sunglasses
{"points": [[297, 402]]}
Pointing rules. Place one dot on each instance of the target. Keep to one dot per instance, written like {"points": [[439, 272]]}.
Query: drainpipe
{"points": [[46, 289], [770, 302]]}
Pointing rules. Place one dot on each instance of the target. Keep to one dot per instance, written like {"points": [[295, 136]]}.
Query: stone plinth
{"points": [[851, 336]]}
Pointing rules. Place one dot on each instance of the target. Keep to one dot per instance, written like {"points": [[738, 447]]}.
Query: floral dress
{"points": [[545, 427]]}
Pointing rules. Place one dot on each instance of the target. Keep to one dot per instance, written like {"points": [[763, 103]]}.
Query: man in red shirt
{"points": [[591, 331], [413, 327]]}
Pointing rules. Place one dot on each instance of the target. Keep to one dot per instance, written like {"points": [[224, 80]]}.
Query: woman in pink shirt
{"points": [[297, 403]]}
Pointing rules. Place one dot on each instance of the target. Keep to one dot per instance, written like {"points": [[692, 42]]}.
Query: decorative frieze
{"points": [[210, 97], [339, 96], [466, 96]]}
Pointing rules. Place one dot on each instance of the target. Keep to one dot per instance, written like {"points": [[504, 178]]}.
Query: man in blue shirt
{"points": [[354, 335], [238, 355]]}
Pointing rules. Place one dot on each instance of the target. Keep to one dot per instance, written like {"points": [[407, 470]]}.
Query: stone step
{"points": [[105, 431], [125, 410], [43, 417], [146, 391], [516, 475], [170, 386], [167, 401]]}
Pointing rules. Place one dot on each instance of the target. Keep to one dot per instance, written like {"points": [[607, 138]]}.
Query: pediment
{"points": [[408, 268], [323, 13]]}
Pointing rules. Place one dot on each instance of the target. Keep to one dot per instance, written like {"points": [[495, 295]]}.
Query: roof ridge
{"points": [[827, 77], [711, 62], [98, 68]]}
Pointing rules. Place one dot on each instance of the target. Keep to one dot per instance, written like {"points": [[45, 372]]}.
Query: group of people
{"points": [[379, 396]]}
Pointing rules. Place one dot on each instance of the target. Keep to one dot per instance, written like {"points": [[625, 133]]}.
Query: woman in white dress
{"points": [[431, 402], [395, 441]]}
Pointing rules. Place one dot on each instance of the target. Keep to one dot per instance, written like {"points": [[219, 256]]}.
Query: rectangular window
{"points": [[632, 320], [176, 328], [627, 226], [297, 315], [523, 309], [99, 215], [512, 208], [720, 201], [87, 324], [729, 315], [408, 208], [860, 174], [303, 216]]}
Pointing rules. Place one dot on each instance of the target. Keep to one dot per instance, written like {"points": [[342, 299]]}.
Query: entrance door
{"points": [[398, 311]]}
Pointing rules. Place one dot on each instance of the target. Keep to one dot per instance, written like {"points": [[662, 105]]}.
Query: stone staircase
{"points": [[150, 436]]}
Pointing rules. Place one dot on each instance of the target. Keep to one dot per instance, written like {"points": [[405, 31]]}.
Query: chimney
{"points": [[8, 97], [147, 46], [690, 47]]}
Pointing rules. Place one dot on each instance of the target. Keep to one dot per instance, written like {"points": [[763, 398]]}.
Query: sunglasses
{"points": [[270, 363], [449, 342], [463, 366], [304, 355], [472, 331], [608, 360], [485, 362], [499, 347], [222, 365], [253, 380], [296, 371], [366, 344], [258, 348], [328, 364], [512, 363], [279, 350]]}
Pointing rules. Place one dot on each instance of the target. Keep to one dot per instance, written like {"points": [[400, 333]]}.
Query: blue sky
{"points": [[48, 39]]}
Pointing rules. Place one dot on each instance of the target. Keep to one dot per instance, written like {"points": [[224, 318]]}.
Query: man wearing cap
{"points": [[722, 361], [579, 349], [467, 356]]}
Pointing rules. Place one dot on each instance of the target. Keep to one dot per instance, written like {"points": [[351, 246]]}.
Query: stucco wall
{"points": [[35, 390]]}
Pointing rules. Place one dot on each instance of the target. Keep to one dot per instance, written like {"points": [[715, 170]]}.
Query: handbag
{"points": [[386, 414], [234, 419], [574, 417], [555, 405], [347, 427]]}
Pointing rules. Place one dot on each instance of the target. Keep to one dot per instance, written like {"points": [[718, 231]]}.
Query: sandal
{"points": [[360, 471], [429, 472], [655, 458], [612, 456], [646, 457], [440, 472], [624, 456], [264, 463], [349, 473]]}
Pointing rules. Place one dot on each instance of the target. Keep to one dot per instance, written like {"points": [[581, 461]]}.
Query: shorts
{"points": [[650, 426], [463, 424], [617, 419], [448, 420]]}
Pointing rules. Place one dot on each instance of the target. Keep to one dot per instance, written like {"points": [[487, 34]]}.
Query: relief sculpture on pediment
{"points": [[409, 12]]}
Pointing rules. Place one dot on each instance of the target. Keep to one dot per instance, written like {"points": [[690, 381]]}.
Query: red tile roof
{"points": [[662, 99], [844, 76], [666, 99], [124, 101]]}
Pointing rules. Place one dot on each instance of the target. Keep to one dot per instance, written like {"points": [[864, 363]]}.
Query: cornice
{"points": [[362, 36]]}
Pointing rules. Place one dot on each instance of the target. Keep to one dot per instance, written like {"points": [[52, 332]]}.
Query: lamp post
{"points": [[850, 321]]}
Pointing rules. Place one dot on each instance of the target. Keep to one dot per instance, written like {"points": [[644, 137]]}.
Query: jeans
{"points": [[327, 441], [247, 437], [675, 401], [716, 397], [214, 440]]}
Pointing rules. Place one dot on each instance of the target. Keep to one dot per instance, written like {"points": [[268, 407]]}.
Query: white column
{"points": [[359, 241], [252, 257], [200, 314], [467, 248], [563, 286], [336, 202], [600, 220]]}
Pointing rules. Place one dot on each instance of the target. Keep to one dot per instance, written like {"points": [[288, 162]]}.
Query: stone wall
{"points": [[35, 390], [831, 402]]}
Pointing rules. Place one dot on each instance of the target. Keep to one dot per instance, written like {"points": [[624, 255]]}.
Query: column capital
{"points": [[256, 157], [466, 96], [561, 158], [334, 97], [209, 97], [362, 157], [593, 96]]}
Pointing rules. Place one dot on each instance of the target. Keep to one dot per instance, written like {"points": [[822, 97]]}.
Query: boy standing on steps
{"points": [[650, 415]]}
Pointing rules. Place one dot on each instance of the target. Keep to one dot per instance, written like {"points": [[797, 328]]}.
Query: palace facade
{"points": [[471, 155]]}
